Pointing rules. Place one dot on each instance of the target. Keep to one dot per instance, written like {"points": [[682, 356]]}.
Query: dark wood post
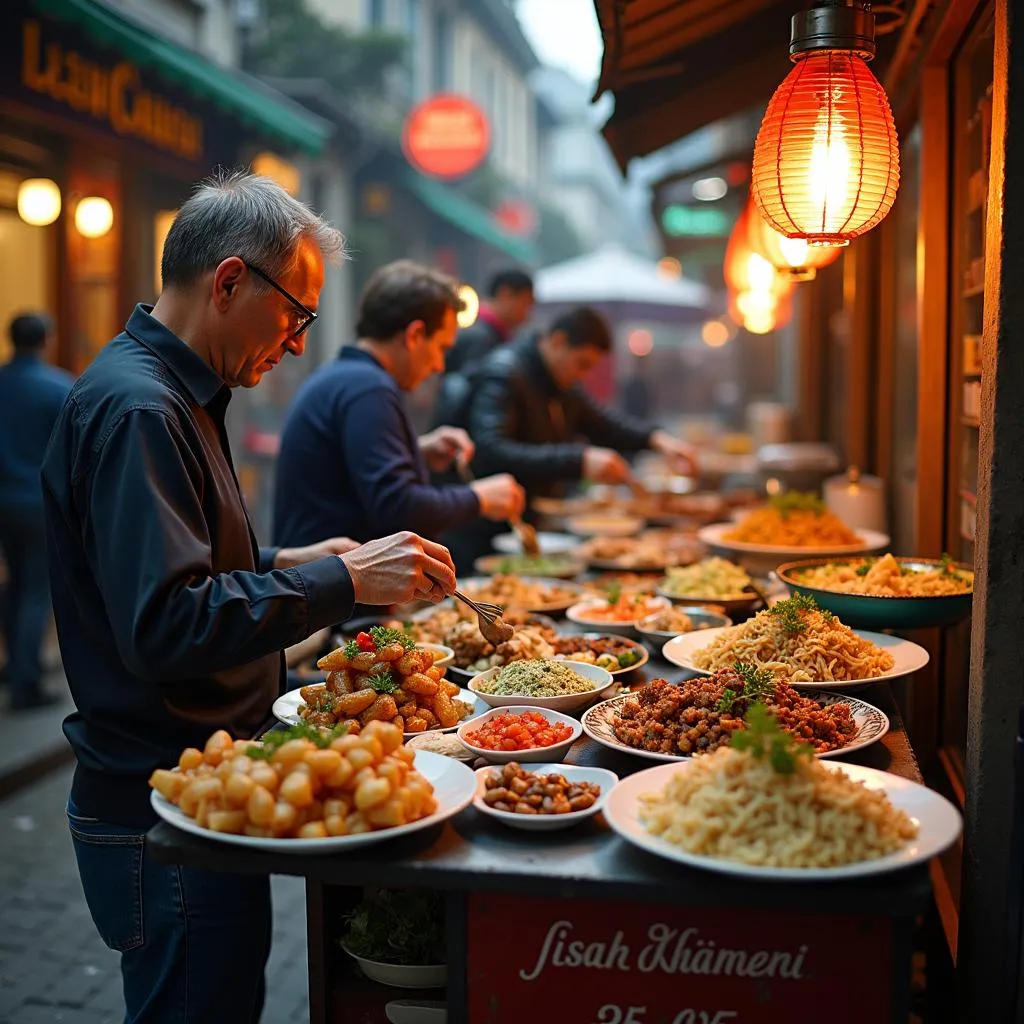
{"points": [[997, 679]]}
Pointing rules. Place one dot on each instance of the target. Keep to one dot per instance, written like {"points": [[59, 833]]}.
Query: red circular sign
{"points": [[446, 136]]}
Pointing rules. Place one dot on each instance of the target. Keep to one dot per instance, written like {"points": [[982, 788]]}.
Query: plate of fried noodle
{"points": [[806, 644], [765, 811]]}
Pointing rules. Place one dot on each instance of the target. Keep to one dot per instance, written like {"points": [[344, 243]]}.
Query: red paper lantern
{"points": [[794, 258], [826, 159], [745, 269]]}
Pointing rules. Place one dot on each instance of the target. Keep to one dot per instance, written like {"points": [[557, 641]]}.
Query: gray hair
{"points": [[244, 215]]}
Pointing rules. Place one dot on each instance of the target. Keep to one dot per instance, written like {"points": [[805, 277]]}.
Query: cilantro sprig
{"points": [[758, 684], [269, 742], [791, 613], [764, 738]]}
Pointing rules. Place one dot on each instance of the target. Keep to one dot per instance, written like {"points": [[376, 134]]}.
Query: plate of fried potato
{"points": [[310, 790], [381, 676]]}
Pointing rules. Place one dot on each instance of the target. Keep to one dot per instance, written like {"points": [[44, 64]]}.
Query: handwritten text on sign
{"points": [[622, 963]]}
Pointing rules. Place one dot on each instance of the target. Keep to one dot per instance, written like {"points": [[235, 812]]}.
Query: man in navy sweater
{"points": [[350, 462]]}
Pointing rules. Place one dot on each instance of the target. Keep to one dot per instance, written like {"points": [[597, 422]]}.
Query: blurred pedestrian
{"points": [[507, 307], [172, 621], [31, 396], [350, 462], [530, 416]]}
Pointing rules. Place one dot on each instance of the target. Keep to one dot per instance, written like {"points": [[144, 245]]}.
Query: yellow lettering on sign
{"points": [[115, 95]]}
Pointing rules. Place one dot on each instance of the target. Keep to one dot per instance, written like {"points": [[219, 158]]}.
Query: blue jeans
{"points": [[193, 944], [23, 543]]}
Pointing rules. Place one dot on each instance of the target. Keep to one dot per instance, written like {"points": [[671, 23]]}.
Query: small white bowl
{"points": [[604, 524], [403, 975], [578, 614], [604, 686], [548, 822], [447, 654], [550, 754]]}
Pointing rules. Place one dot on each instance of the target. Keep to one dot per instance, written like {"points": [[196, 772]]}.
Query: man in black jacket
{"points": [[529, 416], [171, 620]]}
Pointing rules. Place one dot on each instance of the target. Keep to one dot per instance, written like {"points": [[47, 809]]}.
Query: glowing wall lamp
{"points": [[94, 216], [470, 306], [38, 201], [826, 159]]}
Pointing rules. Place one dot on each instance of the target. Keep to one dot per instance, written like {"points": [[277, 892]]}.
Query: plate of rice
{"points": [[734, 813]]}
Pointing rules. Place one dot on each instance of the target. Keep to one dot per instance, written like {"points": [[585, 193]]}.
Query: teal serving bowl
{"points": [[863, 611]]}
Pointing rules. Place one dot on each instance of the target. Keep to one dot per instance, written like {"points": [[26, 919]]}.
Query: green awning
{"points": [[469, 217], [256, 105]]}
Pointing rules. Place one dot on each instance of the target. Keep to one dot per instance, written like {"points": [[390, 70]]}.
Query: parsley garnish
{"points": [[947, 566], [758, 683], [764, 738], [790, 613], [797, 501], [352, 649], [264, 750], [863, 570], [381, 679], [382, 636], [614, 591]]}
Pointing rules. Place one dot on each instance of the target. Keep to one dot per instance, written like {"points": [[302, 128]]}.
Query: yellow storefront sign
{"points": [[114, 95]]}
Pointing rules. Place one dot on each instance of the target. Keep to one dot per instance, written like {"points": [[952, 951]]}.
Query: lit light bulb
{"points": [[794, 250], [760, 322], [756, 302], [38, 201], [470, 306], [760, 273], [94, 216], [829, 172]]}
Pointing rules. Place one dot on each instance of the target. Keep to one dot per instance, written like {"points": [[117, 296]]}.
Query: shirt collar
{"points": [[490, 317], [201, 381]]}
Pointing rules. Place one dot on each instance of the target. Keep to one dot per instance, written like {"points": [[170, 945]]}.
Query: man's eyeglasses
{"points": [[302, 323]]}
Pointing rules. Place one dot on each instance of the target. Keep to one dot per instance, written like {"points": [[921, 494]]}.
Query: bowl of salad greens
{"points": [[396, 936], [565, 566]]}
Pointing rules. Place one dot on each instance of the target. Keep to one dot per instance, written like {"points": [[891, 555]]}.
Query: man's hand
{"points": [[604, 466], [399, 568], [287, 557], [682, 458], [445, 444], [500, 497]]}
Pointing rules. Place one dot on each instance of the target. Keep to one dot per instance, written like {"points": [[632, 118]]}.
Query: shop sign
{"points": [[580, 962], [446, 136], [113, 93], [689, 221]]}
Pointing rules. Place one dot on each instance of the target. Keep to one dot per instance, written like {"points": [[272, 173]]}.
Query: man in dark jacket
{"points": [[530, 416], [508, 307], [171, 620], [350, 462], [31, 395]]}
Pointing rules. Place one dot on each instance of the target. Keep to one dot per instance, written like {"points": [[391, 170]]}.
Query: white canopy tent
{"points": [[613, 276]]}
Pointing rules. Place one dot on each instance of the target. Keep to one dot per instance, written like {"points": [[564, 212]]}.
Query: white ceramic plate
{"points": [[907, 657], [713, 536], [604, 524], [872, 725], [454, 786], [938, 823], [580, 614], [571, 592], [530, 755], [604, 686], [286, 709], [402, 975], [550, 543], [548, 822]]}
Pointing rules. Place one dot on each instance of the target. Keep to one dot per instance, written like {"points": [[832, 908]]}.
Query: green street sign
{"points": [[694, 222]]}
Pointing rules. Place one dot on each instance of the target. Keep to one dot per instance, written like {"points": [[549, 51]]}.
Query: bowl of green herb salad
{"points": [[564, 686]]}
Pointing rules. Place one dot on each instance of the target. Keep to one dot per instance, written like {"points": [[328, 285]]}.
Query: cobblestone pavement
{"points": [[53, 966]]}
